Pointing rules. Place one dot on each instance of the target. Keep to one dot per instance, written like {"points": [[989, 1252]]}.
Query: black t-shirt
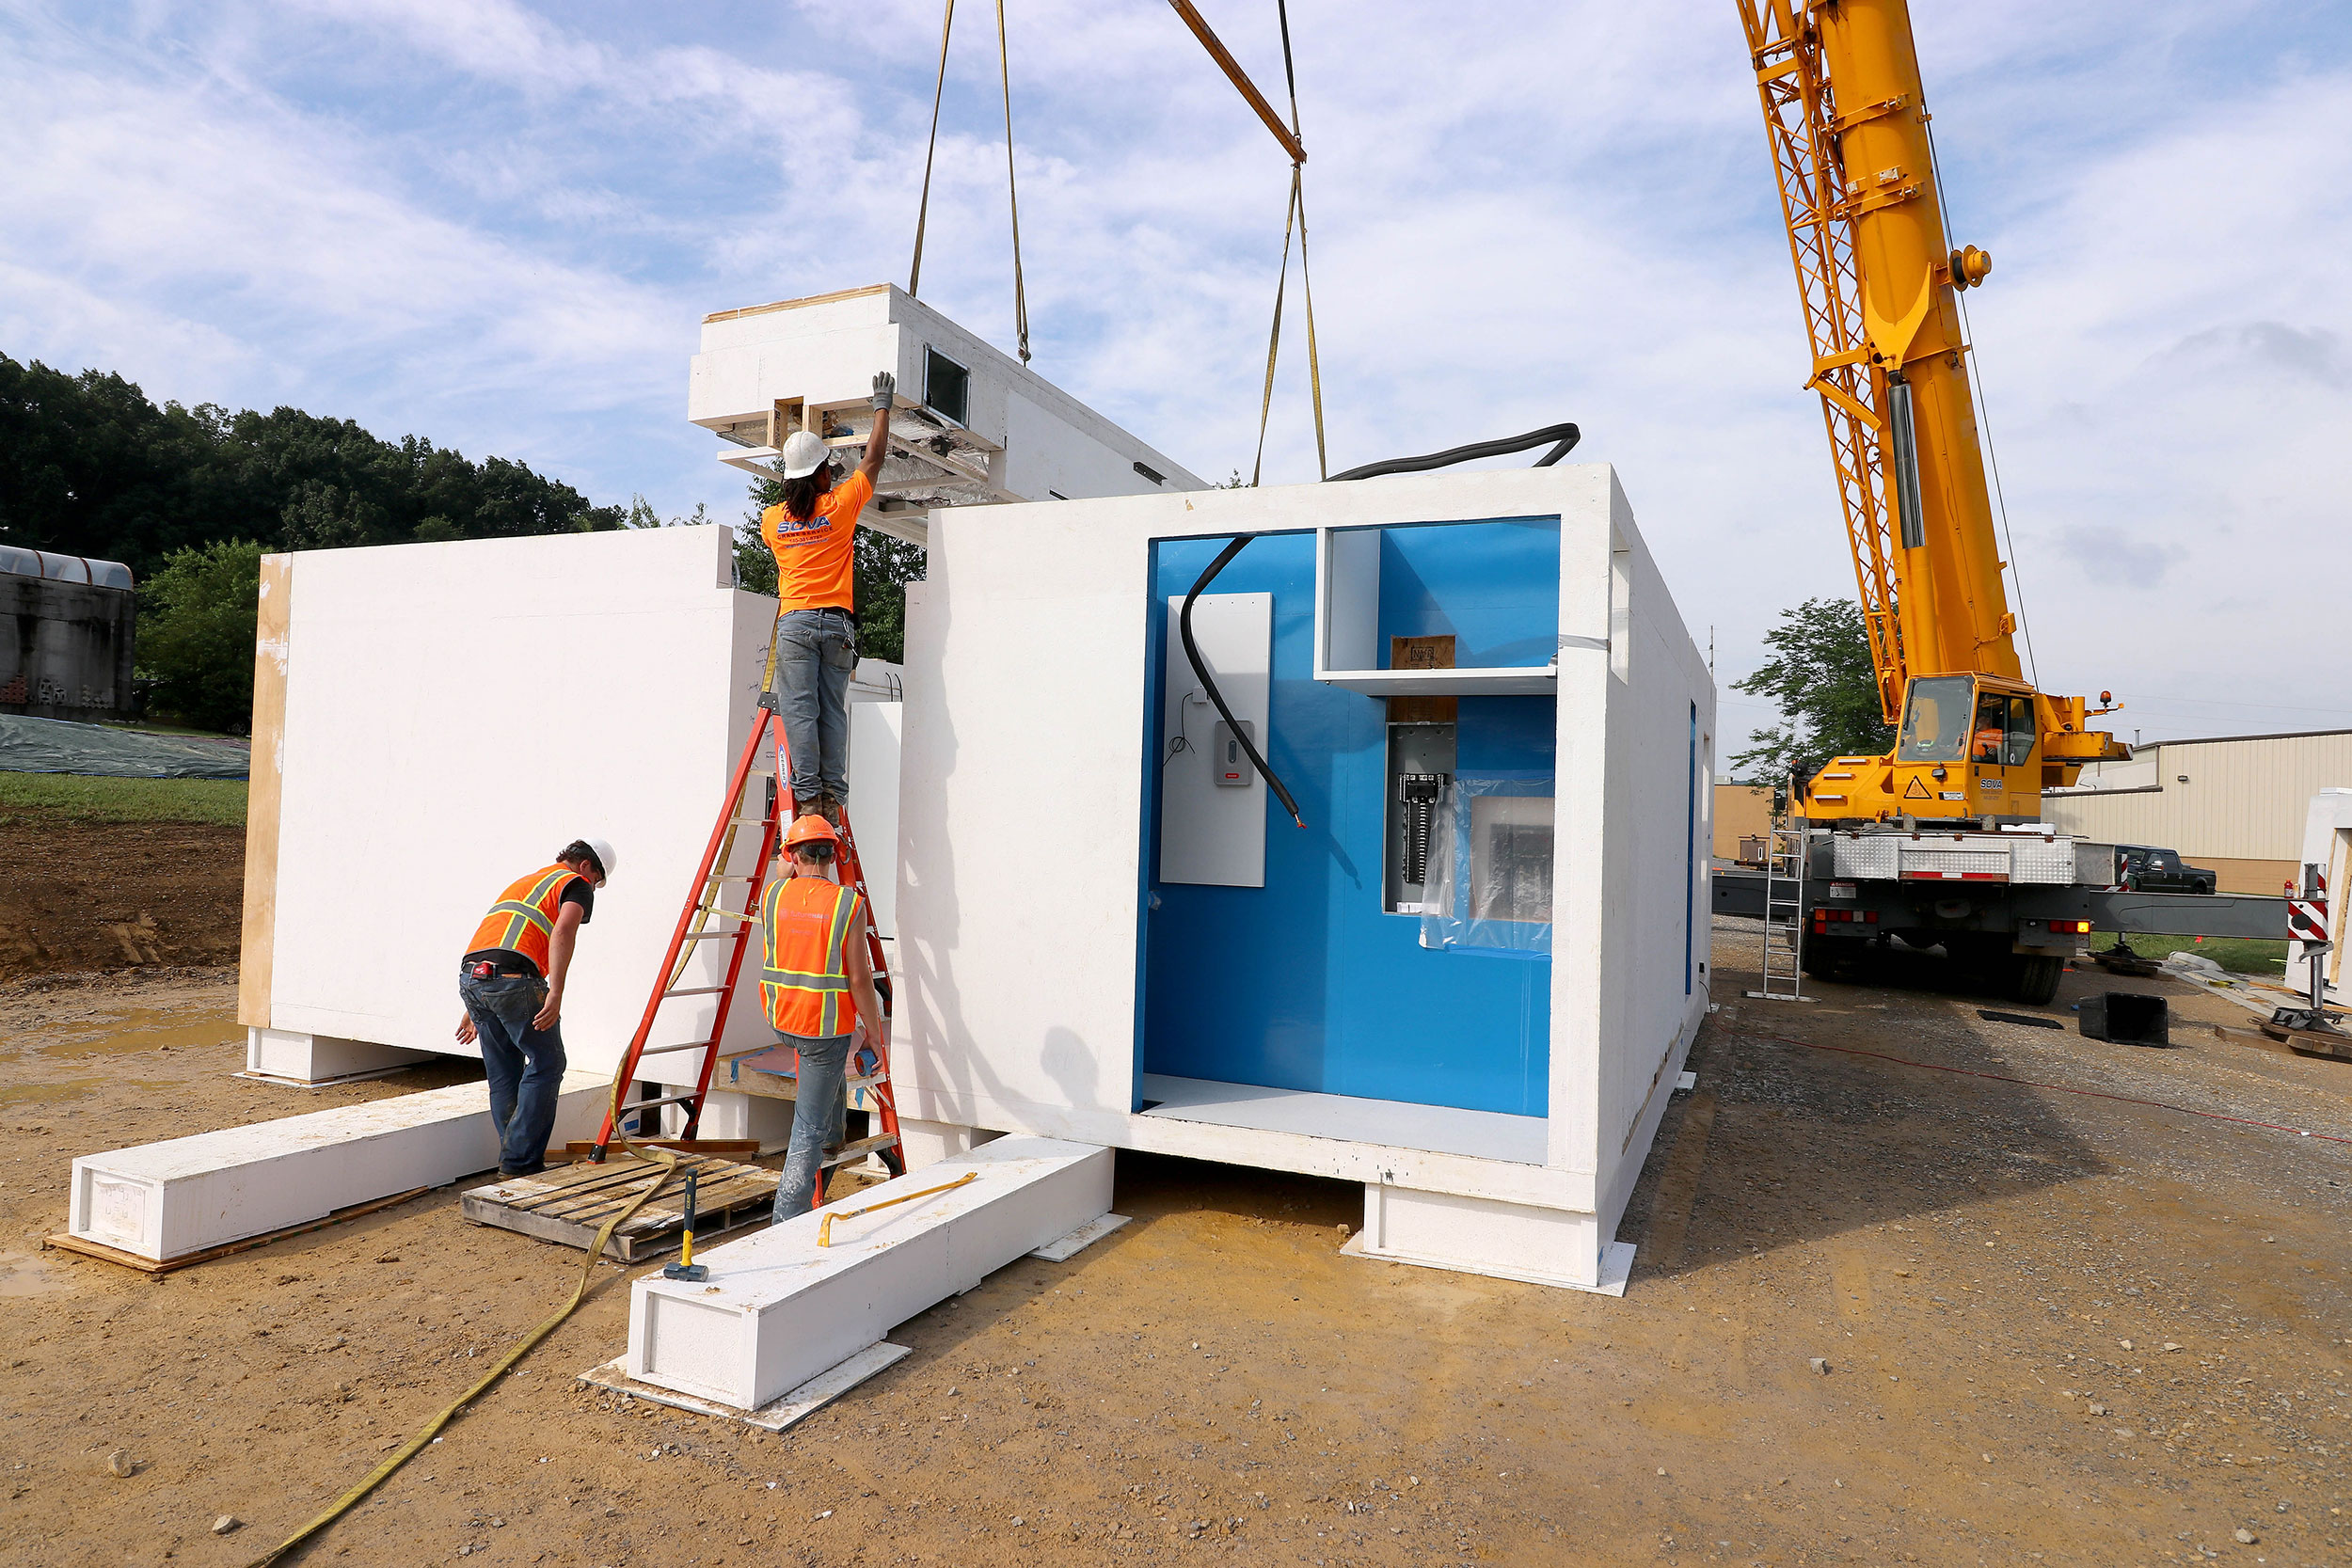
{"points": [[578, 890]]}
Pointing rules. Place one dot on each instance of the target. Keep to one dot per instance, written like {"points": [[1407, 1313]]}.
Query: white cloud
{"points": [[498, 225]]}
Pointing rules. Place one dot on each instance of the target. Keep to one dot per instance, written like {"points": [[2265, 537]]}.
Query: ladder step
{"points": [[694, 990], [858, 1151], [852, 1086], [631, 1108], [665, 1050], [710, 936]]}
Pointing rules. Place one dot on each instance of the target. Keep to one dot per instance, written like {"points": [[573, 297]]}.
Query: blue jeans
{"points": [[525, 1064], [816, 655], [820, 1112]]}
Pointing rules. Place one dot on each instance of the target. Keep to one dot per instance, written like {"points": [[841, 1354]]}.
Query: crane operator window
{"points": [[1935, 726], [1992, 732], [2017, 745]]}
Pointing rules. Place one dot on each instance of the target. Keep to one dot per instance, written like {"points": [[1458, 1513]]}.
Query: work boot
{"points": [[828, 808]]}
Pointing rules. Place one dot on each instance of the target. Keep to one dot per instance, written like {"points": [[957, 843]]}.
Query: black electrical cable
{"points": [[1565, 436], [1183, 626]]}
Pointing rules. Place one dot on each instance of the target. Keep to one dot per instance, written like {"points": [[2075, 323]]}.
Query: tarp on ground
{"points": [[56, 746]]}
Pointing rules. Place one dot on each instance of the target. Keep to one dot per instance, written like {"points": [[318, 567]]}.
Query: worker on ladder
{"points": [[816, 986], [813, 535], [511, 982]]}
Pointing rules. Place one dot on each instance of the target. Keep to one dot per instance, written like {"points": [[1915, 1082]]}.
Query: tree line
{"points": [[191, 499]]}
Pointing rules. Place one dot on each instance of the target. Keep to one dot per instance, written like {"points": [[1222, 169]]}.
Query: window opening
{"points": [[946, 387]]}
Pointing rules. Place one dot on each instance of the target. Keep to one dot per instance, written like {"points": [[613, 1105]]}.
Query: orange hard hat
{"points": [[811, 828]]}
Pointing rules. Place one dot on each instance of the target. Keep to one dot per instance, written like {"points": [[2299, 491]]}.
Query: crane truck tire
{"points": [[2033, 978]]}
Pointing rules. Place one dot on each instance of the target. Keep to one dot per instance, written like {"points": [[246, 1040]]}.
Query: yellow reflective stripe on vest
{"points": [[529, 914], [832, 983]]}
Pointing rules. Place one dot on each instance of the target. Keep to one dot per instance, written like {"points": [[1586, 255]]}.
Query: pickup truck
{"points": [[2144, 868]]}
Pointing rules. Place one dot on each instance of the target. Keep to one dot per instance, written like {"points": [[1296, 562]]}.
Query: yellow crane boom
{"points": [[1843, 111]]}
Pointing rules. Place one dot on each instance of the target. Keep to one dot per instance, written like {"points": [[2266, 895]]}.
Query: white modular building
{"points": [[1466, 977]]}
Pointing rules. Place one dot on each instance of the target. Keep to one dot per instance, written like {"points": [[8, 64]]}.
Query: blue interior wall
{"points": [[1306, 983], [1494, 587]]}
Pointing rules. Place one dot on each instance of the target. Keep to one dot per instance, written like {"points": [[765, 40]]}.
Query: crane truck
{"points": [[1941, 841]]}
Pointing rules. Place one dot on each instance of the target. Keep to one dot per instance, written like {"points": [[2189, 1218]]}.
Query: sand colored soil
{"points": [[2056, 1328], [79, 897]]}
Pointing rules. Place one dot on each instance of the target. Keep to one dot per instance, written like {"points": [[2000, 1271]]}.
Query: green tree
{"points": [[1820, 677], [88, 465], [195, 628], [884, 568]]}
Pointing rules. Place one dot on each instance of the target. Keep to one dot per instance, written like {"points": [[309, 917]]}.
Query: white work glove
{"points": [[885, 388]]}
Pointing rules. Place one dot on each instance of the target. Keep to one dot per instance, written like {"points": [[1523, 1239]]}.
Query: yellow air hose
{"points": [[408, 1450], [667, 1159]]}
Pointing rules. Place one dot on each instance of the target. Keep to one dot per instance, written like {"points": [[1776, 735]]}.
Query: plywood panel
{"points": [[257, 947]]}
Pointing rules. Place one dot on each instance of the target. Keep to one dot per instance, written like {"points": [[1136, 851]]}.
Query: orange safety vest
{"points": [[805, 923], [523, 919]]}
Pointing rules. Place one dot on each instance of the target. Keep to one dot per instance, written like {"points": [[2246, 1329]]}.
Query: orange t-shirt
{"points": [[814, 556]]}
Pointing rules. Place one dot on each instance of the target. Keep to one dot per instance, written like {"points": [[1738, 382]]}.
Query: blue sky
{"points": [[498, 227]]}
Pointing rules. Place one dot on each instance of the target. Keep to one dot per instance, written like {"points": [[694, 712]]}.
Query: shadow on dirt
{"points": [[1803, 1134]]}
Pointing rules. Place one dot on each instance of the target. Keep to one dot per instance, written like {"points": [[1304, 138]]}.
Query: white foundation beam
{"points": [[927, 1143], [778, 1308], [307, 1061], [165, 1201], [1480, 1235]]}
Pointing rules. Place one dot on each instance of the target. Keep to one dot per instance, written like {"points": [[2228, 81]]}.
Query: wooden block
{"points": [[1422, 653]]}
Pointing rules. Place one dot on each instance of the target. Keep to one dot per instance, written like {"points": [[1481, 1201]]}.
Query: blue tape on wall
{"points": [[1306, 983]]}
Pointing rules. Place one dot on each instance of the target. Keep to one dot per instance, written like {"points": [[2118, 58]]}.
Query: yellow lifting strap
{"points": [[1012, 188], [1296, 212]]}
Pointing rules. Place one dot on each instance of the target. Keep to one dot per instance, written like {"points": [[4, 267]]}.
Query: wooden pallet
{"points": [[2312, 1043], [568, 1206]]}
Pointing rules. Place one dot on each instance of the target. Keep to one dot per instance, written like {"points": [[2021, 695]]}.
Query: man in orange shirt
{"points": [[813, 535]]}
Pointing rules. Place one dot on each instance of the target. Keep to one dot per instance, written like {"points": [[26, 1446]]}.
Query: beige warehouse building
{"points": [[2234, 804]]}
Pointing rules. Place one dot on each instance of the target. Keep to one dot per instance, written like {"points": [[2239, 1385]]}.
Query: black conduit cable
{"points": [[1564, 437], [1567, 436], [1201, 671]]}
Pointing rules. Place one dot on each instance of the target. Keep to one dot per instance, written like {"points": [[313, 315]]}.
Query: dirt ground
{"points": [[78, 897], [2056, 1328]]}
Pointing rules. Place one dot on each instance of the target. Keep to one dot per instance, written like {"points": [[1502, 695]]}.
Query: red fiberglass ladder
{"points": [[869, 1067]]}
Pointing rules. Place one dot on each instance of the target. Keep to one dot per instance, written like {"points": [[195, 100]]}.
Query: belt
{"points": [[488, 969]]}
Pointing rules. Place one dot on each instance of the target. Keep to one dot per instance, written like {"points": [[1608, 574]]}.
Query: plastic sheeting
{"points": [[56, 746], [1489, 886]]}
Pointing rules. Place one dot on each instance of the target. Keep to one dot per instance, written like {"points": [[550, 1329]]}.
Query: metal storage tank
{"points": [[69, 635]]}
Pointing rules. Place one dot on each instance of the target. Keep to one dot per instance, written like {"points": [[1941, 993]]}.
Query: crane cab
{"points": [[1968, 747]]}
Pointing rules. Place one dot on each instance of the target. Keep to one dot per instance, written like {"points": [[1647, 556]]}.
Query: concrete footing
{"points": [[1478, 1235], [778, 1308], [927, 1143], [164, 1201], [287, 1056]]}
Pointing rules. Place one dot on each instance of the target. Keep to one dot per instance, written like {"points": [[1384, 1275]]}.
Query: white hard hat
{"points": [[602, 849], [804, 453]]}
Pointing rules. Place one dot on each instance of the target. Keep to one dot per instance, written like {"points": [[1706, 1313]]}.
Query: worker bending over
{"points": [[512, 985], [817, 983], [812, 534]]}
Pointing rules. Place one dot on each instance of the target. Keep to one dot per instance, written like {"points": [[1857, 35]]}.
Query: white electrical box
{"points": [[1212, 826]]}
